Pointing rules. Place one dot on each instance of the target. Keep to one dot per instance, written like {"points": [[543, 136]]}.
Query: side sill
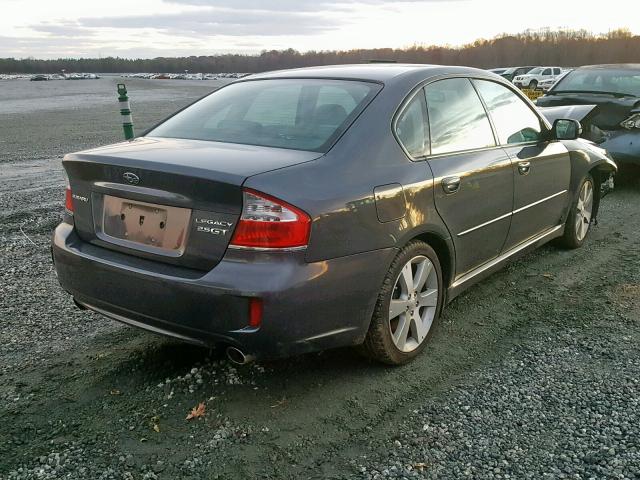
{"points": [[473, 277]]}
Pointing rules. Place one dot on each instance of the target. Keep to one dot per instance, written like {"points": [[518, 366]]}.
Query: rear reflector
{"points": [[68, 199], [267, 222], [255, 312]]}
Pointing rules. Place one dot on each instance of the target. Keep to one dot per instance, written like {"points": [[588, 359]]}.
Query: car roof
{"points": [[374, 72]]}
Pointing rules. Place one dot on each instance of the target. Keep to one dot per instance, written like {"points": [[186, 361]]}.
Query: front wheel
{"points": [[408, 305], [533, 85], [580, 214]]}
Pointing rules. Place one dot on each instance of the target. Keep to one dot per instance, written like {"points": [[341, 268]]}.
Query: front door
{"points": [[473, 176], [541, 168], [541, 180]]}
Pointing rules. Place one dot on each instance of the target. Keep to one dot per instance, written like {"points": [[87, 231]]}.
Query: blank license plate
{"points": [[144, 223]]}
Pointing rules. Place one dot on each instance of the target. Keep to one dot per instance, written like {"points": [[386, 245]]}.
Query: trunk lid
{"points": [[171, 200]]}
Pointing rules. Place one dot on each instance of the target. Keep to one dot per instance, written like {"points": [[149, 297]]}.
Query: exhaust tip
{"points": [[238, 357]]}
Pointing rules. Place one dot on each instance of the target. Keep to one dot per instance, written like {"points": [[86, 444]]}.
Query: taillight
{"points": [[267, 222], [632, 122], [68, 199]]}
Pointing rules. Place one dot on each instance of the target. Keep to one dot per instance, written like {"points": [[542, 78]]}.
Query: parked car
{"points": [[512, 72], [305, 209], [39, 78], [532, 78], [545, 85], [612, 96]]}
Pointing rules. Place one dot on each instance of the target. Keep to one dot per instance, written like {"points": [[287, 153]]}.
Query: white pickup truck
{"points": [[532, 78]]}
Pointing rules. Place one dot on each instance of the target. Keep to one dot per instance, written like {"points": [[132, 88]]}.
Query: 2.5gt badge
{"points": [[214, 227]]}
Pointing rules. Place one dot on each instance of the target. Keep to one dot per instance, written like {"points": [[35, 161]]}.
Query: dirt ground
{"points": [[546, 352]]}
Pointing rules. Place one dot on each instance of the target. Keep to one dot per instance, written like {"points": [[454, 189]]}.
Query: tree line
{"points": [[566, 48]]}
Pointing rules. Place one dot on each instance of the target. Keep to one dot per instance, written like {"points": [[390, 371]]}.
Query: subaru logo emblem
{"points": [[131, 178]]}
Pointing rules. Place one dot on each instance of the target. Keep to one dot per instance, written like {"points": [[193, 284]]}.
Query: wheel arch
{"points": [[589, 162], [444, 250]]}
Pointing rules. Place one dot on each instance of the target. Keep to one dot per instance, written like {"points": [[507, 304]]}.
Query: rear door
{"points": [[473, 176], [541, 168]]}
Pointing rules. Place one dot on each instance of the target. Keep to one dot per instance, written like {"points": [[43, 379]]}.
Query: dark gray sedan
{"points": [[307, 209]]}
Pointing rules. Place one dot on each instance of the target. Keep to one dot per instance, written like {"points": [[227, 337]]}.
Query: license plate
{"points": [[141, 223]]}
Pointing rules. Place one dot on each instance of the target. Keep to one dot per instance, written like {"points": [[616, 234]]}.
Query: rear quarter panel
{"points": [[337, 190]]}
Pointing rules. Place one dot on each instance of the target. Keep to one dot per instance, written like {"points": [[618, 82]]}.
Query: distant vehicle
{"points": [[545, 85], [532, 78], [39, 78], [307, 209], [82, 76], [609, 96], [497, 71], [512, 72]]}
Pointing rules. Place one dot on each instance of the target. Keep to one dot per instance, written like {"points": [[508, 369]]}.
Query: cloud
{"points": [[294, 5], [205, 26], [212, 22], [67, 30]]}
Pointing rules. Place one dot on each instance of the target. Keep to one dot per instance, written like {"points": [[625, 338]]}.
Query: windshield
{"points": [[625, 82], [535, 71], [302, 114]]}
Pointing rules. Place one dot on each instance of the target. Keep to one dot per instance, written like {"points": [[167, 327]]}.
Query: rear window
{"points": [[301, 114]]}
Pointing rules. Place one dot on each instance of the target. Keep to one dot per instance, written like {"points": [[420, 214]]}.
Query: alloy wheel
{"points": [[413, 305], [584, 210]]}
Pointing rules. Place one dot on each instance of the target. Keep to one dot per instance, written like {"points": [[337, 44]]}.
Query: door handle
{"points": [[524, 168], [451, 184]]}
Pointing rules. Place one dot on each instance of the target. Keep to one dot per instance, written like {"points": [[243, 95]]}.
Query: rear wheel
{"points": [[408, 305], [580, 215]]}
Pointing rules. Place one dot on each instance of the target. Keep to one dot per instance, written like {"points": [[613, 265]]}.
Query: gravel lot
{"points": [[534, 373]]}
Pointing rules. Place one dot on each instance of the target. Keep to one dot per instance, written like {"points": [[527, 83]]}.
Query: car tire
{"points": [[578, 224], [533, 84], [398, 339]]}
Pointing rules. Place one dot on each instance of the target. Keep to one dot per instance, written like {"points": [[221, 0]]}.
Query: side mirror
{"points": [[566, 129]]}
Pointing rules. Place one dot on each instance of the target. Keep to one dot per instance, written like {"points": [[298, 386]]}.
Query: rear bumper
{"points": [[307, 306]]}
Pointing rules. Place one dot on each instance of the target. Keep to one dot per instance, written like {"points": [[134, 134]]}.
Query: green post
{"points": [[125, 112]]}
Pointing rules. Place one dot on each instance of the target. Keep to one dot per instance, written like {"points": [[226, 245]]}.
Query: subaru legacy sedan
{"points": [[307, 209]]}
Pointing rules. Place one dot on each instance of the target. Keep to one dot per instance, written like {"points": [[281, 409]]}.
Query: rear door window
{"points": [[411, 127], [514, 121], [457, 119]]}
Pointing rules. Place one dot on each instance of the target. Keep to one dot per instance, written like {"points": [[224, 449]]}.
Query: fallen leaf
{"points": [[197, 412], [154, 423], [115, 391], [420, 466], [279, 403], [547, 275]]}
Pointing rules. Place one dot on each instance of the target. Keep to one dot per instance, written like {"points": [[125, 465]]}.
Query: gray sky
{"points": [[149, 28]]}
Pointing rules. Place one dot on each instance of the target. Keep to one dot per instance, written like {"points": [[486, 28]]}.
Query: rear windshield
{"points": [[620, 81], [301, 114]]}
